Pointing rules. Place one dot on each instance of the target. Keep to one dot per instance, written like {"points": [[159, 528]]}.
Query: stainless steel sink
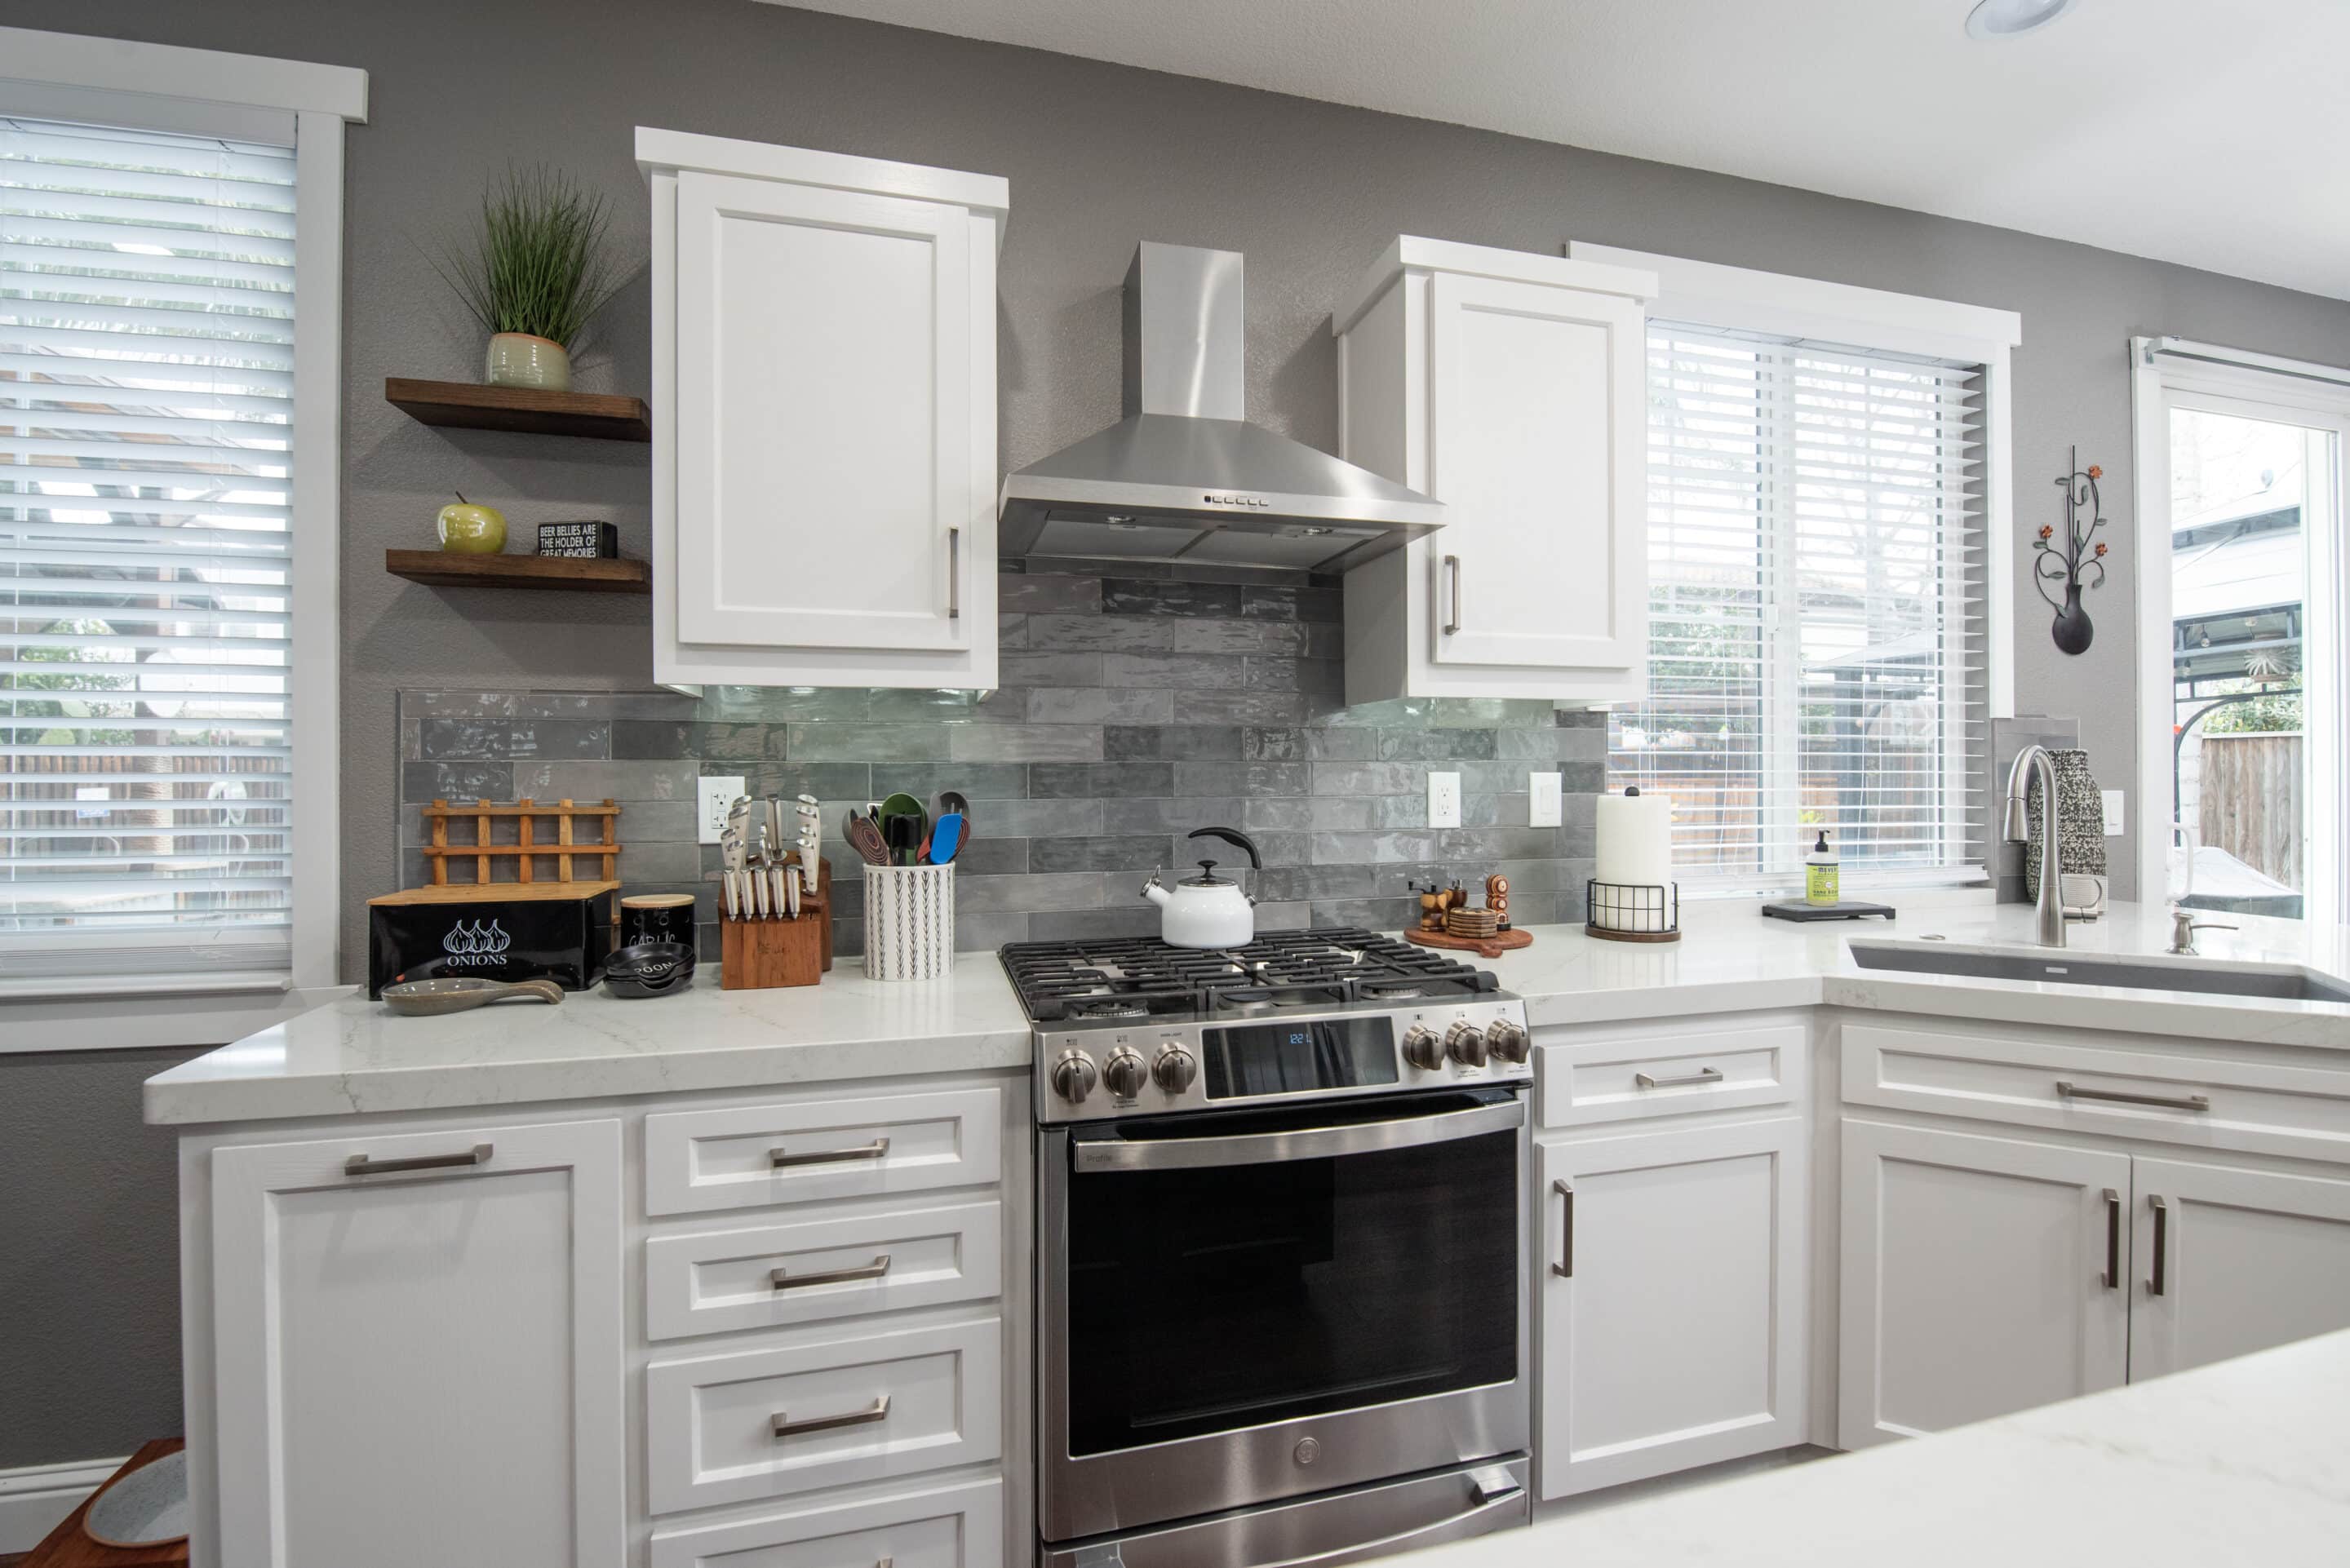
{"points": [[2281, 981]]}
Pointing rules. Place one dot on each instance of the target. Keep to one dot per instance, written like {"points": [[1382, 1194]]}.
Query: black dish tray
{"points": [[1797, 909]]}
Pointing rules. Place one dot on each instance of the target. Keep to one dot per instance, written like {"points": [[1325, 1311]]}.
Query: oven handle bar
{"points": [[1302, 1143], [1468, 1521]]}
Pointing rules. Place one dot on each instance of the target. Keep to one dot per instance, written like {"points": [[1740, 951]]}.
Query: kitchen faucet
{"points": [[2049, 912]]}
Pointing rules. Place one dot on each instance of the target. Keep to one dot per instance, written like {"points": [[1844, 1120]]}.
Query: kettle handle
{"points": [[1232, 836]]}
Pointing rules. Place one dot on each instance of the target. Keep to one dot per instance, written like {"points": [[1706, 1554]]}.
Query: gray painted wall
{"points": [[1099, 156]]}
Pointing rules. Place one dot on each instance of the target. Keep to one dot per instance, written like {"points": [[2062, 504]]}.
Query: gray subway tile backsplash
{"points": [[1134, 706]]}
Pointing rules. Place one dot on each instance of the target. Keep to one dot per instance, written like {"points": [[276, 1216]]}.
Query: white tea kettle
{"points": [[1207, 911]]}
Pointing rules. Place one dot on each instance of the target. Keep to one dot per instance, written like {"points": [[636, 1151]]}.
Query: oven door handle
{"points": [[1300, 1143], [1471, 1520]]}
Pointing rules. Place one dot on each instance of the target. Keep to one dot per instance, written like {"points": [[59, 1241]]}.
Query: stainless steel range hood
{"points": [[1184, 476]]}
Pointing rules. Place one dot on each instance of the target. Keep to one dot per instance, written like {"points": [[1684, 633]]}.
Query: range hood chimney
{"points": [[1184, 476]]}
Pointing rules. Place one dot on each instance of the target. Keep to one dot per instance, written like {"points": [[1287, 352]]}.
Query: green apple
{"points": [[470, 530]]}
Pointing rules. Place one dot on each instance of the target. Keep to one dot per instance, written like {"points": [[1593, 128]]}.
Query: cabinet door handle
{"points": [[785, 1279], [2112, 1277], [2169, 1102], [1702, 1075], [1452, 565], [2154, 1281], [874, 1150], [783, 1426], [362, 1165], [955, 574], [1565, 1267]]}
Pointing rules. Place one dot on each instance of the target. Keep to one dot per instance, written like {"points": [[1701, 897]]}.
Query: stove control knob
{"points": [[1506, 1040], [1125, 1074], [1466, 1044], [1073, 1077], [1422, 1049], [1175, 1069]]}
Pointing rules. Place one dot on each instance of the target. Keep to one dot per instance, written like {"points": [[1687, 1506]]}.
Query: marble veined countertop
{"points": [[2243, 1461], [354, 1056]]}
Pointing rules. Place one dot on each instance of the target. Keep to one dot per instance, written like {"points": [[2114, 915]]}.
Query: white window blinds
{"points": [[1815, 634], [146, 383]]}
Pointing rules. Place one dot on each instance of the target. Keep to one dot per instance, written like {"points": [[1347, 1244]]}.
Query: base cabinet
{"points": [[418, 1349], [1982, 1276], [2229, 1261], [1672, 1301]]}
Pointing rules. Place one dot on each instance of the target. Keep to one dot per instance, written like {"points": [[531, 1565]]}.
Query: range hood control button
{"points": [[1073, 1077], [1422, 1049], [1466, 1043]]}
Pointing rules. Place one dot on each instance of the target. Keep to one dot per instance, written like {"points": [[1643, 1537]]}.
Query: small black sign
{"points": [[601, 540]]}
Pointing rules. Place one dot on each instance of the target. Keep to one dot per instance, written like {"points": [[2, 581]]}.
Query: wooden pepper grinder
{"points": [[1434, 903], [1497, 899]]}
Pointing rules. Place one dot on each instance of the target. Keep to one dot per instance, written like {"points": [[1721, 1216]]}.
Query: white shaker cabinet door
{"points": [[1673, 1291], [824, 437], [1982, 1276], [1537, 446], [2230, 1261], [418, 1343]]}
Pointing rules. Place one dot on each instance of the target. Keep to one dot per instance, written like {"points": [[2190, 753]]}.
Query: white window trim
{"points": [[2291, 388], [165, 87], [1741, 299]]}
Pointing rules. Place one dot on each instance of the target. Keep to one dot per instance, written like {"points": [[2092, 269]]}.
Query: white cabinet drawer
{"points": [[767, 1276], [765, 1423], [2200, 1101], [1594, 1081], [796, 1151], [956, 1526]]}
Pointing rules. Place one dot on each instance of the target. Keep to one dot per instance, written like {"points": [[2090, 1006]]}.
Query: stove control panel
{"points": [[1129, 1068]]}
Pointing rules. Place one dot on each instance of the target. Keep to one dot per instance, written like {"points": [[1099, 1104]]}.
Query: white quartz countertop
{"points": [[2243, 1461], [356, 1056]]}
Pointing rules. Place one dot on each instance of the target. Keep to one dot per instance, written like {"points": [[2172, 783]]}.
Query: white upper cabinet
{"points": [[1511, 388], [824, 417]]}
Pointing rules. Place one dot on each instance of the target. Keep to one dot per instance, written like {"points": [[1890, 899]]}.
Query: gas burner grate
{"points": [[1143, 977]]}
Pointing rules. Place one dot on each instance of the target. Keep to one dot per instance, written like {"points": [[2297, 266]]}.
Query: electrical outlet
{"points": [[1444, 800], [2113, 812], [712, 798], [1545, 800]]}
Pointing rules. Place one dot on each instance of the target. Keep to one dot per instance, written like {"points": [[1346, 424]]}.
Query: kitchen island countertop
{"points": [[2242, 1462], [354, 1056]]}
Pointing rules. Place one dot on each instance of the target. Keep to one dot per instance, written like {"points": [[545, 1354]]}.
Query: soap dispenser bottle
{"points": [[1820, 873]]}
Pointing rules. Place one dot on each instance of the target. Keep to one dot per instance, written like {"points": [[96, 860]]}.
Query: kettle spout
{"points": [[1154, 892]]}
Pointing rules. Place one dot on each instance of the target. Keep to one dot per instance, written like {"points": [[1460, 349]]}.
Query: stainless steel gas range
{"points": [[1283, 1264]]}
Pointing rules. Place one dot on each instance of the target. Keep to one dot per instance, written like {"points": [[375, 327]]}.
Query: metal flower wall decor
{"points": [[2066, 564]]}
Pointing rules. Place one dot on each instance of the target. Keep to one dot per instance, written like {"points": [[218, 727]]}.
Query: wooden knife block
{"points": [[759, 955]]}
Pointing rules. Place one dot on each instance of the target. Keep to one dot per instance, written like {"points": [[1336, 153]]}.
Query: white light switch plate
{"points": [[1444, 800], [712, 797], [2112, 812], [1545, 800]]}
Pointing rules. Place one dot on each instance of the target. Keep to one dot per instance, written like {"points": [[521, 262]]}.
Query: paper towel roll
{"points": [[1636, 849]]}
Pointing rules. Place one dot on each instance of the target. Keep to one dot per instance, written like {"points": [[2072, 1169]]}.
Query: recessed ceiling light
{"points": [[2006, 18]]}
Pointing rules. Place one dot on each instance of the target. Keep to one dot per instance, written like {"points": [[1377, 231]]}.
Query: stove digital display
{"points": [[1287, 1058]]}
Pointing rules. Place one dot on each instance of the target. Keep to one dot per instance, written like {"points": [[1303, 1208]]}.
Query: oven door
{"points": [[1242, 1306]]}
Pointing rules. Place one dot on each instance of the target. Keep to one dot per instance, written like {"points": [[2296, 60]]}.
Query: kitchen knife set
{"points": [[763, 878], [898, 832]]}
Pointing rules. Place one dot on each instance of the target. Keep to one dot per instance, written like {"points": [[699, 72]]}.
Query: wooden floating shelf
{"points": [[560, 573], [526, 409]]}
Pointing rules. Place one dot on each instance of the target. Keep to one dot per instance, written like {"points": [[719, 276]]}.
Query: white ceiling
{"points": [[2212, 132]]}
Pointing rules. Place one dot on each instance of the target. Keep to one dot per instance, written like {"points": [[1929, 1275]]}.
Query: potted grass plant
{"points": [[534, 274]]}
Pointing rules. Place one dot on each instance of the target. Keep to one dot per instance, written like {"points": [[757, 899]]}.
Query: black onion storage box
{"points": [[498, 930]]}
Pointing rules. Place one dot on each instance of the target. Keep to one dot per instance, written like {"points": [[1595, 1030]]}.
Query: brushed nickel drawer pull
{"points": [[955, 574], [364, 1165], [874, 1150], [784, 1426], [1565, 1267], [2182, 1103], [2112, 1278], [1702, 1075], [785, 1279], [1452, 565]]}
